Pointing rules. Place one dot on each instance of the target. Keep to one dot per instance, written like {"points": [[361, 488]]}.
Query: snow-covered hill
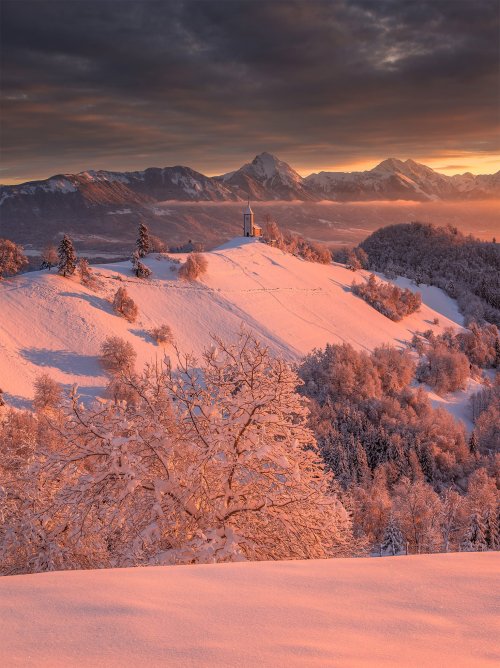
{"points": [[56, 325], [426, 611]]}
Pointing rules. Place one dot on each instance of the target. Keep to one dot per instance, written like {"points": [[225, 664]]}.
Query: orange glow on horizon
{"points": [[450, 164]]}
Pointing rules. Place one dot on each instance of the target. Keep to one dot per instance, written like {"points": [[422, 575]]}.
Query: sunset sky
{"points": [[340, 84]]}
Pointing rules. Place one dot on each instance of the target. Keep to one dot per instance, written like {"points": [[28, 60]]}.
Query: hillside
{"points": [[414, 611], [57, 325]]}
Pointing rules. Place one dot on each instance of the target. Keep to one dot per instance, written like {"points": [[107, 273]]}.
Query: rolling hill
{"points": [[57, 325]]}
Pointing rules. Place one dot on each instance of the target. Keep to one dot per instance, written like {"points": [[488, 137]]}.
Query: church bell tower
{"points": [[248, 225]]}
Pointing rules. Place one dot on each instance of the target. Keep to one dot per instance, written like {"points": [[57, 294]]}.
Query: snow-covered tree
{"points": [[117, 356], [143, 243], [84, 271], [138, 267], [418, 510], [49, 257], [48, 393], [393, 542], [475, 539], [444, 370], [157, 245], [67, 257], [124, 305], [12, 258], [214, 462], [194, 267], [453, 519]]}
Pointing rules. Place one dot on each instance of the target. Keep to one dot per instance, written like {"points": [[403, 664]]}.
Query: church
{"points": [[250, 229]]}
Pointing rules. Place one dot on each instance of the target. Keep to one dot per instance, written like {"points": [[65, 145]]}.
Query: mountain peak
{"points": [[389, 165], [267, 165]]}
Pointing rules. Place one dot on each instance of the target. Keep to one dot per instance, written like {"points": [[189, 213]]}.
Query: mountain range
{"points": [[101, 209], [266, 178]]}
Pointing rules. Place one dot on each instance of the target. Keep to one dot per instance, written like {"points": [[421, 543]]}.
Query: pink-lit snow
{"points": [[52, 324], [419, 611]]}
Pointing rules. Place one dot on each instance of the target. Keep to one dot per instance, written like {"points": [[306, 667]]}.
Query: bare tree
{"points": [[48, 393], [162, 335], [195, 266], [49, 257], [117, 356]]}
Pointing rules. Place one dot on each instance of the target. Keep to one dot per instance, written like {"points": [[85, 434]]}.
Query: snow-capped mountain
{"points": [[267, 178], [94, 188], [395, 179]]}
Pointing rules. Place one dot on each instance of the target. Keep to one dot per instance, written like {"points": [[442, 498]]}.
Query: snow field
{"points": [[425, 611]]}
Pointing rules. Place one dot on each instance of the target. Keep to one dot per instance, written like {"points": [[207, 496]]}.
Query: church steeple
{"points": [[248, 224]]}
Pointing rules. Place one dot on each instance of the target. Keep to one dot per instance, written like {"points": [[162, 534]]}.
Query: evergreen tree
{"points": [[138, 267], [141, 271], [143, 242], [475, 539], [393, 542], [67, 257], [497, 353], [492, 535], [473, 444]]}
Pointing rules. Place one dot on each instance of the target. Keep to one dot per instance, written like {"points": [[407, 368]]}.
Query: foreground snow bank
{"points": [[405, 611]]}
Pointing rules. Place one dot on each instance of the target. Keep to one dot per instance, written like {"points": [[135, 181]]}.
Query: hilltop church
{"points": [[250, 229]]}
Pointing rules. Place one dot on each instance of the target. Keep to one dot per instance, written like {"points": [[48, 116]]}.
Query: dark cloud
{"points": [[126, 84]]}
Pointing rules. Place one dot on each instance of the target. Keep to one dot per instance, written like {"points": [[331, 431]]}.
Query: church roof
{"points": [[248, 209]]}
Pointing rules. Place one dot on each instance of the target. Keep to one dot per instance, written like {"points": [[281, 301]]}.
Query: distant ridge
{"points": [[266, 178]]}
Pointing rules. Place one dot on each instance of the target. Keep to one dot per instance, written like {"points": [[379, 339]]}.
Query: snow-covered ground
{"points": [[429, 610], [49, 323]]}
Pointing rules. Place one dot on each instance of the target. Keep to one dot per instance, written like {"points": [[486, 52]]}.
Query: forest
{"points": [[466, 268]]}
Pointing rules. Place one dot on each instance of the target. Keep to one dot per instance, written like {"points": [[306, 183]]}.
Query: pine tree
{"points": [[393, 541], [475, 539], [473, 444], [143, 243], [67, 257], [141, 271], [138, 267], [497, 352], [492, 534]]}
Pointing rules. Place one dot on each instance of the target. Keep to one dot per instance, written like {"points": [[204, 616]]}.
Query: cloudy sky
{"points": [[324, 84]]}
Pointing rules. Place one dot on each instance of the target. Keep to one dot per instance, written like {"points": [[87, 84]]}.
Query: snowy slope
{"points": [[426, 611], [48, 323]]}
